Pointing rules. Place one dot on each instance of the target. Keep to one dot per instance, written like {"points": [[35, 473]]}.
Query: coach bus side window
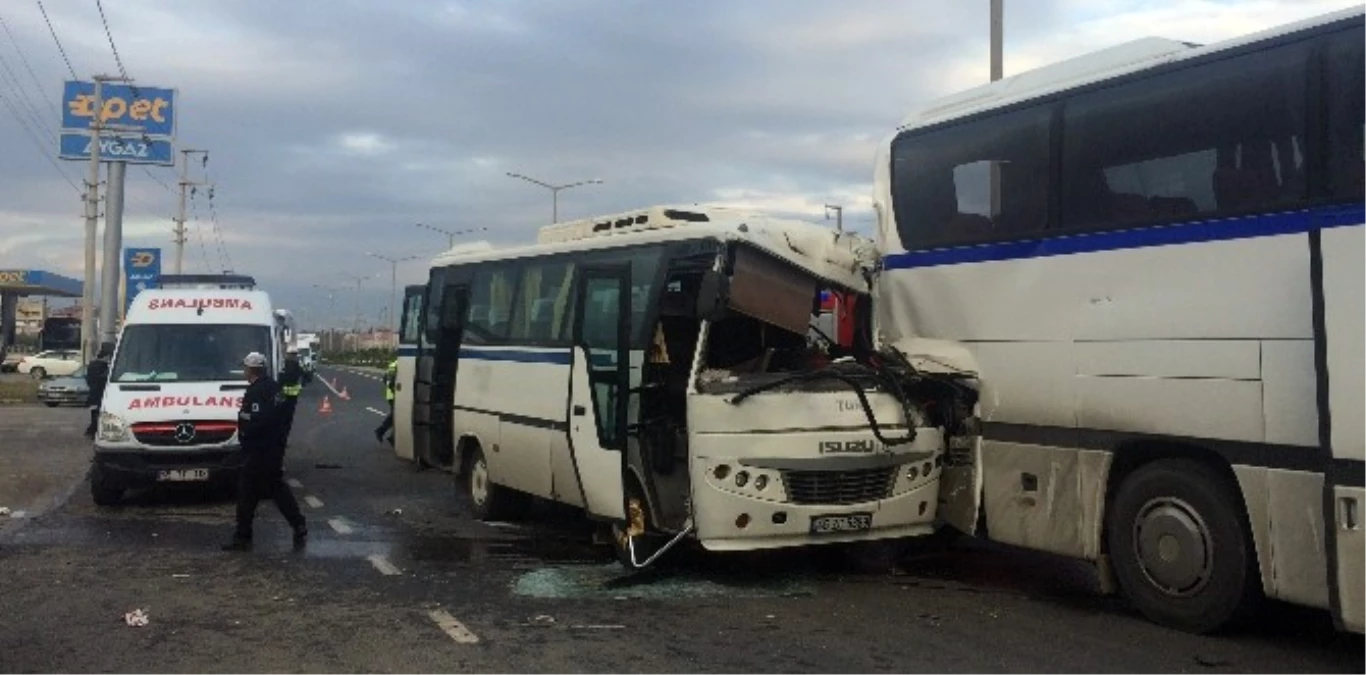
{"points": [[491, 298], [1223, 138], [1344, 96], [942, 178]]}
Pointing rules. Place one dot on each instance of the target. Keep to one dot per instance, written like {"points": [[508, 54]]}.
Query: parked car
{"points": [[9, 360], [51, 362], [69, 389]]}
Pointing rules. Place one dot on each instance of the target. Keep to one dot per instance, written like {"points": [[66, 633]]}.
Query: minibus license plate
{"points": [[848, 522], [183, 475]]}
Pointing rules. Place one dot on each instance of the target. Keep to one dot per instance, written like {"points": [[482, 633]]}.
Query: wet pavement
{"points": [[398, 577]]}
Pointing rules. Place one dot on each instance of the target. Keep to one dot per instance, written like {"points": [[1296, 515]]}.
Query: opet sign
{"points": [[143, 121], [14, 277]]}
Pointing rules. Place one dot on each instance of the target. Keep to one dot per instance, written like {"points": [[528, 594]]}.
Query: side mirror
{"points": [[713, 295]]}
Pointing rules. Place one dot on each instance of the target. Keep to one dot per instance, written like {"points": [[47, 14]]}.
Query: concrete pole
{"points": [[996, 33], [92, 215], [113, 246]]}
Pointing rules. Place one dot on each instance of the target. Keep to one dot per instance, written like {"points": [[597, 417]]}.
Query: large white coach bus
{"points": [[1152, 255], [654, 368]]}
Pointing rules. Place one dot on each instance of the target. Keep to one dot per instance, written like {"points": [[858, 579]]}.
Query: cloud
{"points": [[336, 125]]}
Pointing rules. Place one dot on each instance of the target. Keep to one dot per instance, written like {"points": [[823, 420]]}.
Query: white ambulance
{"points": [[169, 414]]}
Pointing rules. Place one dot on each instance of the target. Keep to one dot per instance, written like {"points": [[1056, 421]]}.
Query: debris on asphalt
{"points": [[4, 510], [136, 618], [395, 512], [180, 576], [543, 620]]}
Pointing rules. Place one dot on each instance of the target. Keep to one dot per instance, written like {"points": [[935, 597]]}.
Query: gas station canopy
{"points": [[38, 282]]}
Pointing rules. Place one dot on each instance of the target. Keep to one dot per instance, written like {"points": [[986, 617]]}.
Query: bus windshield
{"points": [[187, 353]]}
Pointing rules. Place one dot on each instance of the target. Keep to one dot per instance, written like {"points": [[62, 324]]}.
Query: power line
{"points": [[21, 95], [110, 35], [213, 217], [159, 181], [29, 67], [199, 230], [60, 49], [37, 143]]}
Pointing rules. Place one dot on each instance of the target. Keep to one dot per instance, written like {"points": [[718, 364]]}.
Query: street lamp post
{"points": [[358, 280], [393, 284], [452, 235], [555, 192]]}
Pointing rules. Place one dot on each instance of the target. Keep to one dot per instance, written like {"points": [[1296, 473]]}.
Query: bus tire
{"points": [[1181, 547], [488, 500], [102, 490]]}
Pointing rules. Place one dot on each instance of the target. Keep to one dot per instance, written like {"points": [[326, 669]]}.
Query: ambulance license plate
{"points": [[847, 522], [183, 475]]}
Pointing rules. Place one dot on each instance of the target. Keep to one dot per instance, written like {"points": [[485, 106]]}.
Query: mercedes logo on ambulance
{"points": [[184, 432]]}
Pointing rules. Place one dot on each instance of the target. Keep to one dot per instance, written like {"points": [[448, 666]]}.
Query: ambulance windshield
{"points": [[187, 352]]}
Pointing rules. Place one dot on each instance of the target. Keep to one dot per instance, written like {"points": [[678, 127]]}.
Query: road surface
{"points": [[398, 577]]}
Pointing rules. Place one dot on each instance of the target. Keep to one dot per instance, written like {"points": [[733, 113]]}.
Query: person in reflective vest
{"points": [[390, 377], [291, 384]]}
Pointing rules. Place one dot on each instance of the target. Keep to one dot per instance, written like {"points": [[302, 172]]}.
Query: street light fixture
{"points": [[393, 284], [450, 234], [358, 280], [331, 300], [555, 192]]}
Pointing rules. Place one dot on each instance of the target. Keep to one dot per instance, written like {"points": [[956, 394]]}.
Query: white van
{"points": [[176, 380]]}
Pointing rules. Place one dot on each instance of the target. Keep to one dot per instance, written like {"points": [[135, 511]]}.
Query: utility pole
{"points": [[996, 32], [393, 285], [113, 245], [839, 216], [555, 192], [451, 235], [92, 216], [185, 184], [355, 321]]}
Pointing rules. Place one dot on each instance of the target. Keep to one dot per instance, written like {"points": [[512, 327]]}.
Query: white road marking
{"points": [[294, 483], [381, 413], [383, 565], [453, 627], [340, 526], [313, 501], [329, 387]]}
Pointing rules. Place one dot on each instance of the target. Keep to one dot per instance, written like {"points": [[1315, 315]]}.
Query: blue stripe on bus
{"points": [[1228, 229], [561, 358], [558, 357]]}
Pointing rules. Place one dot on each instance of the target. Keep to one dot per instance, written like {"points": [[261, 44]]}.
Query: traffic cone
{"points": [[326, 408], [344, 395]]}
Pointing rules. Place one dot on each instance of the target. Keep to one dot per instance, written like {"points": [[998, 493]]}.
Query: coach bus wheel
{"points": [[102, 490], [1181, 547], [490, 501]]}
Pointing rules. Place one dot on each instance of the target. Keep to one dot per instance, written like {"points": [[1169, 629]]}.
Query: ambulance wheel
{"points": [[488, 500], [104, 491], [1181, 546]]}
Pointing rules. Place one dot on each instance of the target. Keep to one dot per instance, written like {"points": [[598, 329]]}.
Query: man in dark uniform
{"points": [[260, 430], [96, 377], [291, 379]]}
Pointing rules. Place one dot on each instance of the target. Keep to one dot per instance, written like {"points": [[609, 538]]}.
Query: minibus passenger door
{"points": [[599, 386]]}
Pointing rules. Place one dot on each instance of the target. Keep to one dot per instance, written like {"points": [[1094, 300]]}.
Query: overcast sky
{"points": [[336, 125]]}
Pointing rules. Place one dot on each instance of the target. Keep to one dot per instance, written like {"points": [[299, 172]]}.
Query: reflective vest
{"points": [[389, 377], [291, 390]]}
